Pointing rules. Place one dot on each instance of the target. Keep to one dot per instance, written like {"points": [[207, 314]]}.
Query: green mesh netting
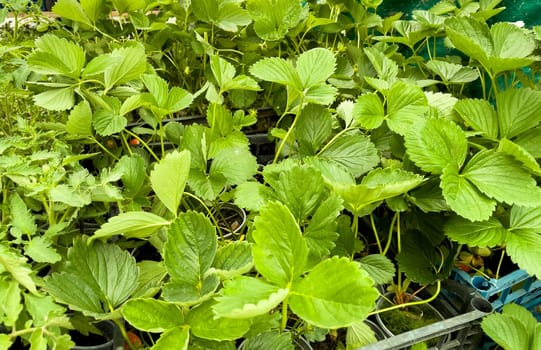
{"points": [[528, 11]]}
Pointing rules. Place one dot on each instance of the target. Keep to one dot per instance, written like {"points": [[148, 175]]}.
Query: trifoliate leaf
{"points": [[96, 279]]}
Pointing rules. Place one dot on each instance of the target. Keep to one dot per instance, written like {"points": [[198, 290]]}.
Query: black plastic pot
{"points": [[110, 338], [231, 219]]}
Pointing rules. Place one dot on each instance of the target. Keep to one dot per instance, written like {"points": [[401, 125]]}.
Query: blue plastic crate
{"points": [[516, 287]]}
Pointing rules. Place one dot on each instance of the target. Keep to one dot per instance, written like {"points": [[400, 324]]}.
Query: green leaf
{"points": [[39, 249], [274, 18], [378, 185], [71, 9], [481, 233], [511, 41], [501, 177], [301, 189], [108, 120], [506, 331], [80, 120], [169, 177], [463, 197], [530, 140], [276, 70], [369, 111], [42, 309], [358, 335], [525, 218], [235, 164], [354, 151], [176, 338], [434, 143], [321, 94], [219, 119], [189, 252], [223, 71], [428, 197], [37, 340], [157, 87], [252, 195], [228, 15], [269, 340], [379, 268], [320, 233], [536, 341], [315, 66], [453, 73], [524, 248], [128, 5], [5, 342], [314, 126], [280, 252], [55, 99], [241, 82], [22, 221], [386, 68], [480, 115], [96, 278], [133, 171], [129, 64], [501, 48], [54, 55], [15, 264], [406, 106], [152, 315], [518, 111], [419, 259], [10, 298], [520, 313], [245, 297], [521, 155], [132, 224], [233, 259], [151, 274], [441, 104], [470, 36], [206, 325], [347, 295]]}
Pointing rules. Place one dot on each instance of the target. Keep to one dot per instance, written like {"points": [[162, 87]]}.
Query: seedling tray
{"points": [[464, 309], [516, 287]]}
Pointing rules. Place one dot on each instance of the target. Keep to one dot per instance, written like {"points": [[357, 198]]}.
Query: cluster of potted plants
{"points": [[132, 193]]}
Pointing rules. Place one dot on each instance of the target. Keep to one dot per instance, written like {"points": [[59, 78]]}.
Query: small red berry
{"points": [[135, 142], [134, 340]]}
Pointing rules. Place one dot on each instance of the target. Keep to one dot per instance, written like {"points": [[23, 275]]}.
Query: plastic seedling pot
{"points": [[110, 339], [398, 321]]}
